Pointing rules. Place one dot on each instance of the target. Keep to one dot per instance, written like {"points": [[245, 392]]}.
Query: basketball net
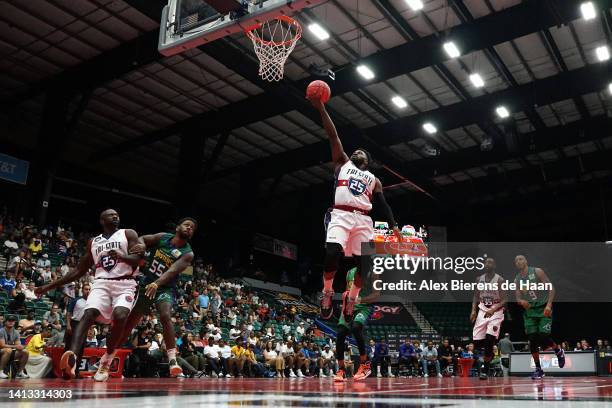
{"points": [[273, 41]]}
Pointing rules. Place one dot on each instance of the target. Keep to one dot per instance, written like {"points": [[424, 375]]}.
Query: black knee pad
{"points": [[534, 342], [333, 253], [340, 339]]}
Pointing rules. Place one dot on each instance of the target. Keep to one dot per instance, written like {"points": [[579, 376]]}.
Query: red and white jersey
{"points": [[106, 266], [354, 187], [488, 298]]}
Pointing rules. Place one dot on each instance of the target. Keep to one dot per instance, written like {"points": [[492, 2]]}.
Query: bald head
{"points": [[109, 219]]}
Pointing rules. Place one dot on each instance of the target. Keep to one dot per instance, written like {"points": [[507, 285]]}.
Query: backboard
{"points": [[187, 24]]}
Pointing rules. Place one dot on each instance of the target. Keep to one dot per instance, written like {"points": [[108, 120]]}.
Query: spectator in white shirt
{"points": [[226, 357], [327, 361], [212, 353], [43, 262], [300, 330], [274, 360], [29, 292]]}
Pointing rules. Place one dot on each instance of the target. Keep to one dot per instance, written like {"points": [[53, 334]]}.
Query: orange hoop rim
{"points": [[282, 17]]}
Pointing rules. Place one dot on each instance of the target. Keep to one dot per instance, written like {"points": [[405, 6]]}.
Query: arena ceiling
{"points": [[538, 58]]}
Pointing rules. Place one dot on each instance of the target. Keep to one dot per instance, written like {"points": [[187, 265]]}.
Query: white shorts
{"points": [[484, 326], [350, 230], [107, 294]]}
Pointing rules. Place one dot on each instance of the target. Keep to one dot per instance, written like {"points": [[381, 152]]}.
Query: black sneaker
{"points": [[537, 374]]}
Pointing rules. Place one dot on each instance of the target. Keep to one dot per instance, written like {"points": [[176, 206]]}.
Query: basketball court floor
{"points": [[416, 392]]}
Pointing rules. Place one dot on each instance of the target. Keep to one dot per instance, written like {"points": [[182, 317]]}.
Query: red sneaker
{"points": [[363, 372]]}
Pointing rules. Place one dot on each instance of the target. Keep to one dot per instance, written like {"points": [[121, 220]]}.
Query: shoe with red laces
{"points": [[327, 307], [340, 376], [363, 372], [348, 306]]}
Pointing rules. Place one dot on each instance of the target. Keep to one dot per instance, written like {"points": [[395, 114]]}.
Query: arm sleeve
{"points": [[378, 199]]}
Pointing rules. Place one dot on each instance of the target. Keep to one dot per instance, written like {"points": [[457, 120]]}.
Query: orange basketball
{"points": [[318, 90]]}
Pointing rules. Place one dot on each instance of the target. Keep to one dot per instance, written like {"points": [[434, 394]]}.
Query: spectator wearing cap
{"points": [[39, 365], [10, 341], [327, 361], [300, 330], [43, 262]]}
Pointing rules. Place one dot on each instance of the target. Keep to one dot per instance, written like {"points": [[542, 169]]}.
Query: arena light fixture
{"points": [[365, 72], [416, 5], [603, 53], [588, 10], [399, 102], [318, 31], [451, 49], [502, 112], [477, 80], [430, 128]]}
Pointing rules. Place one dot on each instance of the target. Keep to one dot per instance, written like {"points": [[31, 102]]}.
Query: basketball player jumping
{"points": [[538, 312], [170, 255], [112, 294], [488, 314], [362, 312], [349, 223]]}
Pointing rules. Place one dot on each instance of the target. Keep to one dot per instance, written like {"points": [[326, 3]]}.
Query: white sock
{"points": [[107, 358], [171, 354]]}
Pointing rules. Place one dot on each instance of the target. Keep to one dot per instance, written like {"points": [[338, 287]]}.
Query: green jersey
{"points": [[162, 257], [536, 298]]}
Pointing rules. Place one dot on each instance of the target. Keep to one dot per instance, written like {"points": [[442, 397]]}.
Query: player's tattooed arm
{"points": [[339, 157], [130, 259], [177, 267], [542, 277], [85, 262], [146, 241]]}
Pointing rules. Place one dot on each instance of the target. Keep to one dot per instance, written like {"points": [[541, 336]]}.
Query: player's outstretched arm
{"points": [[475, 301], [339, 157], [378, 199], [177, 267], [83, 266], [146, 241]]}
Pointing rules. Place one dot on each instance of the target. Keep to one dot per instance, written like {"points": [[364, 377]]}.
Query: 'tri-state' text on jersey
{"points": [[354, 187], [106, 266]]}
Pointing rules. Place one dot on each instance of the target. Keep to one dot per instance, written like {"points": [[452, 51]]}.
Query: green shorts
{"points": [[362, 312], [162, 295], [536, 322]]}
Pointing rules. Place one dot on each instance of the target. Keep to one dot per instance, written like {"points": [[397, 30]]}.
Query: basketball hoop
{"points": [[273, 41]]}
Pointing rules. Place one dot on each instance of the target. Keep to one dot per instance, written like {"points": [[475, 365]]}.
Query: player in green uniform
{"points": [[355, 326], [537, 316], [170, 254]]}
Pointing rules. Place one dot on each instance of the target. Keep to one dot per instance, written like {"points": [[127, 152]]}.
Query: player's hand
{"points": [[398, 234], [139, 249], [18, 347], [150, 290], [489, 313], [114, 255], [473, 316], [547, 311], [524, 304]]}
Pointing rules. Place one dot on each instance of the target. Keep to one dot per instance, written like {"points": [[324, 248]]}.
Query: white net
{"points": [[273, 41]]}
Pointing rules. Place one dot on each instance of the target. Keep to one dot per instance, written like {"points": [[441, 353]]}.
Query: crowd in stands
{"points": [[223, 328]]}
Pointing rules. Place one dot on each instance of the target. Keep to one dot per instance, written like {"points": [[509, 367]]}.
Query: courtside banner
{"points": [[452, 271], [13, 169], [389, 313]]}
